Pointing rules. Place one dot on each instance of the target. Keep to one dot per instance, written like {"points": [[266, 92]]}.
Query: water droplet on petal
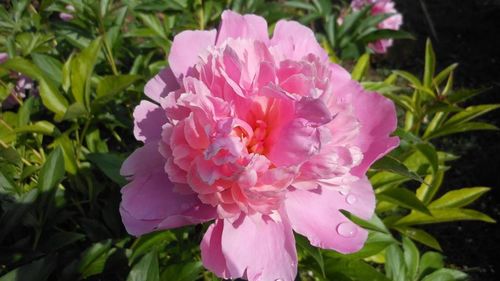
{"points": [[343, 192], [347, 229], [351, 199]]}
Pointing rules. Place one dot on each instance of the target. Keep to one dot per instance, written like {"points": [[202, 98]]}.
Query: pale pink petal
{"points": [[187, 48], [161, 85], [315, 214], [254, 248], [295, 41], [148, 121], [234, 25]]}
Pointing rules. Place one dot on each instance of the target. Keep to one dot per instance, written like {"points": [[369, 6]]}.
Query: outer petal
{"points": [[322, 222], [149, 203], [254, 248], [235, 25], [160, 85], [148, 121], [295, 41], [136, 166], [375, 113], [186, 49]]}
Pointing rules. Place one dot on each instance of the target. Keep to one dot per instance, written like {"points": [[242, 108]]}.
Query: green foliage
{"points": [[60, 153]]}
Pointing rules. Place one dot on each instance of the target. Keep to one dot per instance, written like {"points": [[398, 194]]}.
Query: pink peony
{"points": [[381, 7], [261, 135]]}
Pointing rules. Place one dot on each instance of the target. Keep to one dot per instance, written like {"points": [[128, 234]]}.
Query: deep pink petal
{"points": [[161, 85], [148, 121], [187, 48], [234, 25], [323, 224], [211, 250]]}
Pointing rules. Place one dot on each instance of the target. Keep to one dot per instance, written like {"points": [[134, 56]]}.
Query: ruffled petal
{"points": [[234, 25], [254, 248], [148, 121], [323, 224], [187, 48]]}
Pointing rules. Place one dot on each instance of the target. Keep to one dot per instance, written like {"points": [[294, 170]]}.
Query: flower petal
{"points": [[324, 225], [149, 203], [135, 166], [186, 49], [234, 25], [295, 41], [148, 121], [160, 85], [254, 248]]}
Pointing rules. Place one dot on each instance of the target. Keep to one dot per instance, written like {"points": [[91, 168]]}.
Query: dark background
{"points": [[467, 32]]}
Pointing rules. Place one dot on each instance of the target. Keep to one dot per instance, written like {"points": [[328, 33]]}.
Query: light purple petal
{"points": [[148, 121]]}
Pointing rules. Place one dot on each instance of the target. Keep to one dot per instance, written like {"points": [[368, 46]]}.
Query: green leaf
{"points": [[375, 244], [109, 164], [109, 86], [188, 271], [404, 198], [82, 66], [395, 267], [373, 224], [93, 260], [412, 258], [393, 165], [51, 67], [68, 152], [419, 236], [470, 113], [51, 98], [409, 77], [430, 64], [353, 268], [39, 270], [52, 171], [314, 252], [41, 127], [458, 198], [146, 269], [430, 154], [149, 242], [445, 274], [443, 215], [430, 262], [460, 128], [444, 74], [361, 67], [11, 217], [463, 95]]}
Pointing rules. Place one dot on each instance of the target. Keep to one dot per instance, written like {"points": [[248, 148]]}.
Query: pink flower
{"points": [[261, 135], [381, 7], [67, 16], [3, 57]]}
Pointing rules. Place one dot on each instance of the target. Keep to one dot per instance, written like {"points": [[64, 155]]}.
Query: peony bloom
{"points": [[381, 7], [3, 57], [68, 14], [261, 135]]}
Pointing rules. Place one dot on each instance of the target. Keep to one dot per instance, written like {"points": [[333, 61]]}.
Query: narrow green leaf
{"points": [[419, 235], [41, 127], [430, 262], [404, 198], [470, 113], [430, 64], [109, 164], [109, 86], [188, 271], [443, 215], [395, 267], [409, 77], [39, 270], [460, 128], [373, 224], [458, 198], [361, 67], [51, 67], [92, 261], [446, 274], [149, 242], [393, 165], [314, 252], [82, 66], [430, 154]]}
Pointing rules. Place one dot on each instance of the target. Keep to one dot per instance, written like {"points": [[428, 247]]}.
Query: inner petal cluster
{"points": [[245, 125]]}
